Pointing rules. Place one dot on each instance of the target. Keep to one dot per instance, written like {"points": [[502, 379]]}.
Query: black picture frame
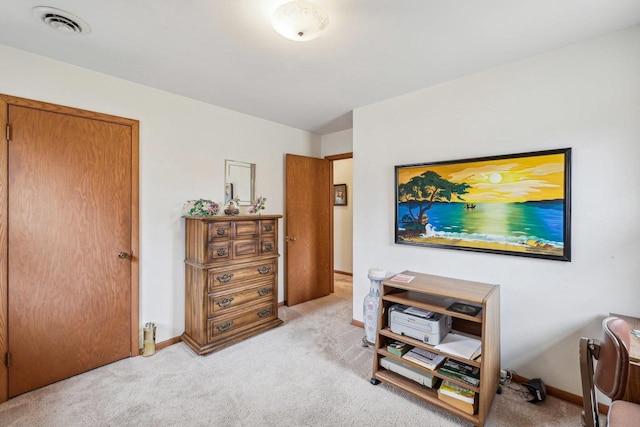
{"points": [[513, 204], [340, 195]]}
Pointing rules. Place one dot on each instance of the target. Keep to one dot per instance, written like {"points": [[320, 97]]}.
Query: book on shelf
{"points": [[461, 371], [398, 348], [460, 393], [468, 408], [402, 278], [460, 345], [425, 358]]}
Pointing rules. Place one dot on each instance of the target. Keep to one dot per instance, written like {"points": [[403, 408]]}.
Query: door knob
{"points": [[123, 255]]}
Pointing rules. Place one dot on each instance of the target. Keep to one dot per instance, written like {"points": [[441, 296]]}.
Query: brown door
{"points": [[69, 240], [308, 230]]}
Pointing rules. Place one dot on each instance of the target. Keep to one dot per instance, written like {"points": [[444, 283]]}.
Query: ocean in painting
{"points": [[506, 223]]}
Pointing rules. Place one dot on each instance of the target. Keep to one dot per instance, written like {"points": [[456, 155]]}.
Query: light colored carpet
{"points": [[311, 371]]}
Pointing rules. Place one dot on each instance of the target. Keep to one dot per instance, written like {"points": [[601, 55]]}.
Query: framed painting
{"points": [[516, 204], [340, 195]]}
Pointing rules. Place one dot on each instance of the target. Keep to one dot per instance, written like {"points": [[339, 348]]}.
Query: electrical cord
{"points": [[507, 379], [507, 382]]}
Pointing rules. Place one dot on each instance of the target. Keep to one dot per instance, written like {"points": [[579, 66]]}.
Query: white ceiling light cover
{"points": [[61, 20], [300, 20]]}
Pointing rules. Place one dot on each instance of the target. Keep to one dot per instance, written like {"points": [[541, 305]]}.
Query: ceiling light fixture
{"points": [[60, 20], [300, 20]]}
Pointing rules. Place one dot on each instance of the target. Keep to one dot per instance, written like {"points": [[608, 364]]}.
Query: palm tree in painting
{"points": [[421, 192]]}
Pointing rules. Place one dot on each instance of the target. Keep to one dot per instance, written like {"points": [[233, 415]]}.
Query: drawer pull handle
{"points": [[264, 313], [225, 326], [264, 269], [224, 278], [222, 251], [264, 291], [222, 231], [268, 227], [224, 303], [268, 246]]}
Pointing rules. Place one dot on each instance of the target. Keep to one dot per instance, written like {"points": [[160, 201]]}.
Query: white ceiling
{"points": [[225, 52]]}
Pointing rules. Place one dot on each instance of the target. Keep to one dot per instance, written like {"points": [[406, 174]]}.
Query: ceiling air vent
{"points": [[60, 20]]}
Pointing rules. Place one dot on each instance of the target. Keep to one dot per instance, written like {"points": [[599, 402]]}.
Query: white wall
{"points": [[337, 143], [343, 218], [586, 96], [183, 144]]}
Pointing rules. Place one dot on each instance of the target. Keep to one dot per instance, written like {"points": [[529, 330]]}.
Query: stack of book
{"points": [[460, 397], [398, 348], [461, 371], [424, 358]]}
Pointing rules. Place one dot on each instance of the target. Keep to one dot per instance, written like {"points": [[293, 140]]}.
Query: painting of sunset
{"points": [[515, 204]]}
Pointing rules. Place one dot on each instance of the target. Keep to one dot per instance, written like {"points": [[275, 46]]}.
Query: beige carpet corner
{"points": [[311, 371]]}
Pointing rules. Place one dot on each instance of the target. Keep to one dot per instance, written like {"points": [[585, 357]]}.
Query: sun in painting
{"points": [[495, 178]]}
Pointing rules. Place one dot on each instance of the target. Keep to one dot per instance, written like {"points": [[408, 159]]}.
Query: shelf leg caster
{"points": [[365, 342], [374, 381]]}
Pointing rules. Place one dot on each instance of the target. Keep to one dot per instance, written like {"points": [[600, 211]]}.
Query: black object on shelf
{"points": [[464, 308]]}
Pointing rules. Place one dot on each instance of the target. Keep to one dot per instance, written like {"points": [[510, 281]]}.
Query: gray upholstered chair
{"points": [[610, 375]]}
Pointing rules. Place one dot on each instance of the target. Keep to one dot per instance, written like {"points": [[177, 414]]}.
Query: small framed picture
{"points": [[340, 195], [228, 192]]}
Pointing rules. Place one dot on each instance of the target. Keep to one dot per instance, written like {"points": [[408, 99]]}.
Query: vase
{"points": [[371, 306]]}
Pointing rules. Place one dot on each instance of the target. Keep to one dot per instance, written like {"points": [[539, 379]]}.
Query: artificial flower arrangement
{"points": [[258, 205], [201, 207]]}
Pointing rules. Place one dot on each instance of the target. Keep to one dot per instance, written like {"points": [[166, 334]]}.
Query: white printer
{"points": [[419, 324]]}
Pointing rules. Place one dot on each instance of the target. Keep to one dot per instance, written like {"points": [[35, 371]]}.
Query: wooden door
{"points": [[308, 228], [70, 228]]}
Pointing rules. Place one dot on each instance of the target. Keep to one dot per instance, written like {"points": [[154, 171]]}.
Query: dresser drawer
{"points": [[268, 227], [223, 302], [219, 327], [219, 231], [219, 251], [268, 246], [226, 276], [246, 248], [246, 229]]}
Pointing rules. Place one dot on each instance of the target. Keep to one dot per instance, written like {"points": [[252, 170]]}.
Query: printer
{"points": [[423, 325]]}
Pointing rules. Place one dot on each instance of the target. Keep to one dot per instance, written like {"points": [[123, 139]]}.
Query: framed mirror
{"points": [[239, 182]]}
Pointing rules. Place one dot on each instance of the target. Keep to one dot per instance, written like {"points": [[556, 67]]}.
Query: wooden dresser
{"points": [[231, 279]]}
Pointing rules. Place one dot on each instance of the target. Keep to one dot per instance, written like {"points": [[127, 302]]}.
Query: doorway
{"points": [[342, 177], [309, 226], [68, 242]]}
